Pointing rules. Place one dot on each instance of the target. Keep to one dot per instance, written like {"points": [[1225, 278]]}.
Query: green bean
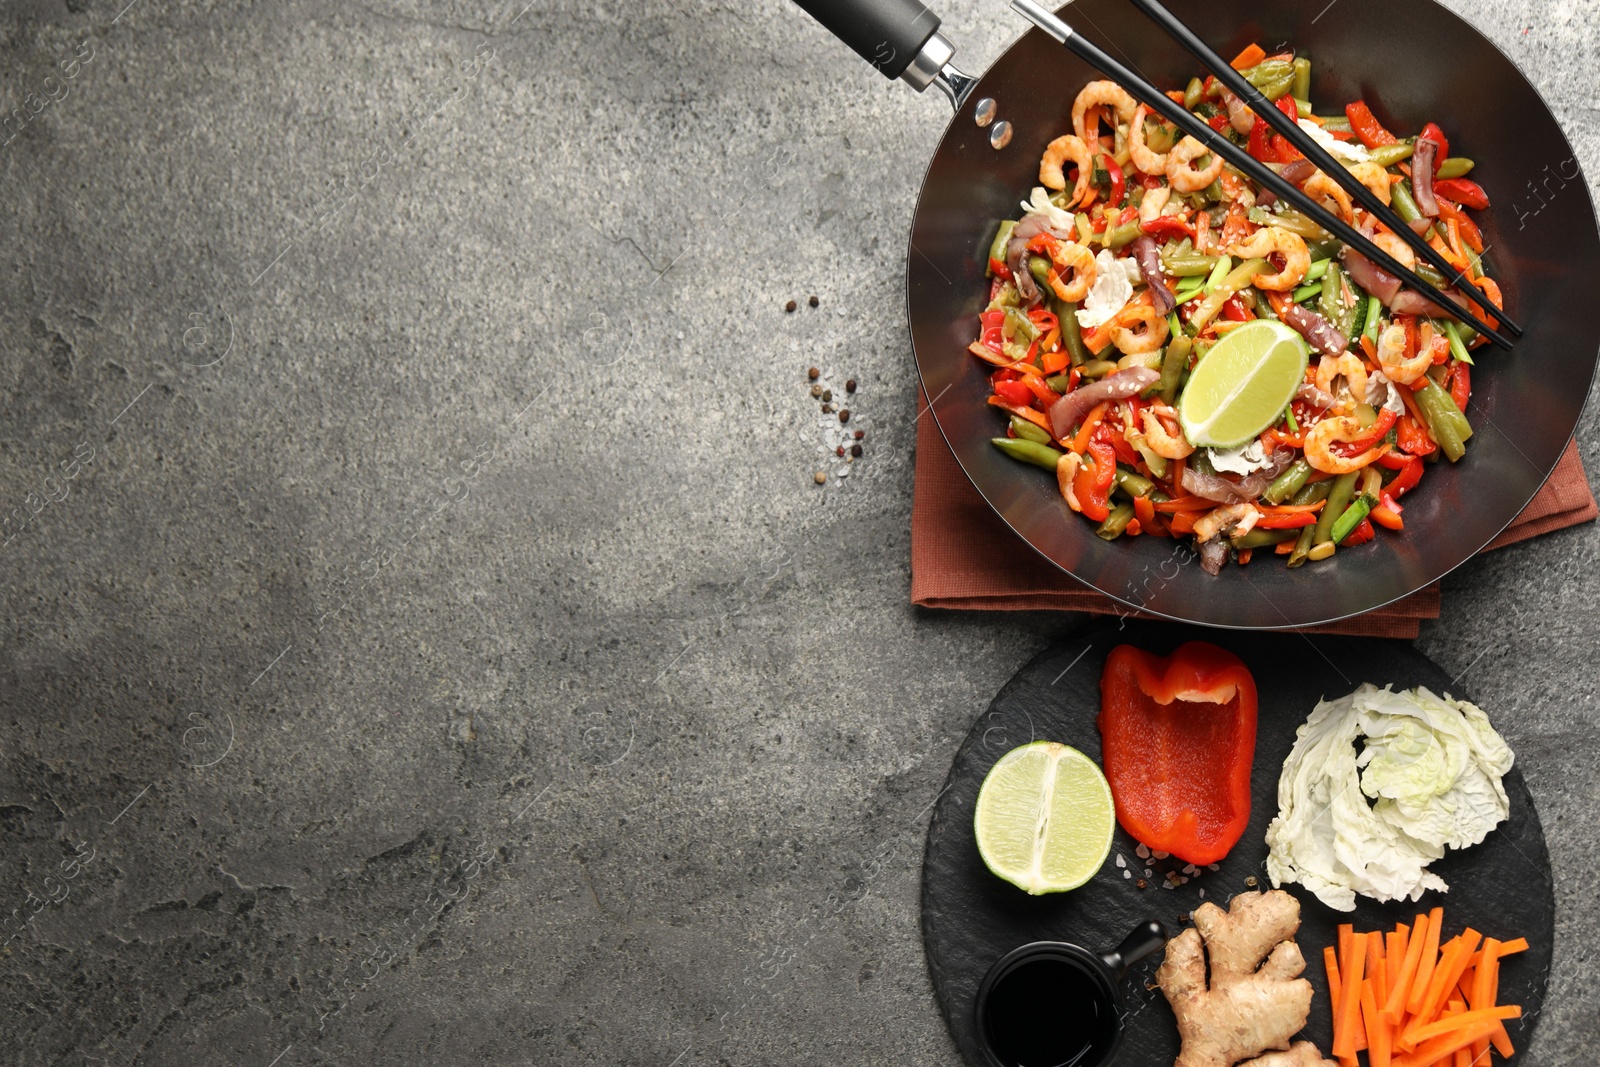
{"points": [[1302, 79], [1059, 382], [1263, 538], [1071, 334], [1404, 204], [1039, 267], [1193, 93], [1274, 77], [1387, 155], [1173, 364], [1445, 421], [1098, 368], [1300, 224], [1331, 307], [1327, 249], [1429, 274], [1334, 122], [1029, 431], [1306, 292], [1133, 483], [1027, 451], [1290, 482], [1454, 167], [1302, 107], [1350, 518], [1458, 347], [1220, 271], [1125, 234], [1369, 329], [1116, 522], [1338, 498], [1189, 266], [1302, 546], [1313, 492], [997, 250], [1317, 269]]}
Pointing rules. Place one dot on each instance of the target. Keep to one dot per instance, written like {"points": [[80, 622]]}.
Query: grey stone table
{"points": [[424, 641]]}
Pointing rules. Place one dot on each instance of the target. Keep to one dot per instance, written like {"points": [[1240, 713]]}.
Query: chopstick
{"points": [[1319, 156], [1247, 164]]}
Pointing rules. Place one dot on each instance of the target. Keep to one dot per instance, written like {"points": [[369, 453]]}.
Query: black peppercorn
{"points": [[850, 386], [855, 450], [790, 306], [813, 301], [844, 416], [813, 374]]}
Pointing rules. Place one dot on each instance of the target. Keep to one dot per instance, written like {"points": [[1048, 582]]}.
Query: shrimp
{"points": [[1100, 94], [1236, 190], [1374, 177], [1396, 248], [1056, 153], [1321, 438], [1146, 160], [1135, 342], [1392, 356], [1291, 246], [1067, 470], [1182, 175], [1154, 200], [1073, 257], [1354, 372], [1322, 188], [1162, 443], [1240, 518]]}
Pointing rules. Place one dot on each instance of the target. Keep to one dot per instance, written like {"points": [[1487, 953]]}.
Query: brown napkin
{"points": [[955, 562]]}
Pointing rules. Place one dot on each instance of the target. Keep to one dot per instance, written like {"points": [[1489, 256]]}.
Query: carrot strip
{"points": [[1480, 995], [1377, 972], [1426, 963], [1440, 985], [1352, 968], [1249, 57], [1452, 1023], [1090, 422], [1498, 1037], [1463, 1057], [1512, 947], [1330, 962], [1400, 992], [1442, 1047], [1378, 1047], [1032, 415]]}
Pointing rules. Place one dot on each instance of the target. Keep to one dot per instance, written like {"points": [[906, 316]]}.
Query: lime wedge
{"points": [[1241, 386], [1045, 818]]}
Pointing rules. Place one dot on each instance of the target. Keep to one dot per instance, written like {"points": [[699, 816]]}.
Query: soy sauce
{"points": [[1050, 1012]]}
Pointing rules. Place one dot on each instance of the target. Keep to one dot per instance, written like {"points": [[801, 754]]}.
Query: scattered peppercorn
{"points": [[813, 374], [1183, 918], [840, 450], [860, 434], [827, 409], [844, 416], [790, 306], [855, 450], [816, 390], [850, 386], [827, 394], [813, 301], [1142, 884], [820, 477]]}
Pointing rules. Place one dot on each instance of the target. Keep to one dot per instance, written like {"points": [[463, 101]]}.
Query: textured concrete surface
{"points": [[424, 642]]}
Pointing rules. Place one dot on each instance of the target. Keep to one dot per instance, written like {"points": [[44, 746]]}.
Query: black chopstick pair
{"points": [[1219, 143]]}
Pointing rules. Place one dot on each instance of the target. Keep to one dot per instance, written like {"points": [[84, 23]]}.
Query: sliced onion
{"points": [[1030, 227], [1323, 335], [1213, 554], [1148, 256], [1298, 171], [1367, 274], [1420, 226], [1422, 176], [1226, 490], [1072, 407]]}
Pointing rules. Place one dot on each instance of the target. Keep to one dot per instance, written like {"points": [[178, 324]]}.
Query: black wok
{"points": [[1412, 61]]}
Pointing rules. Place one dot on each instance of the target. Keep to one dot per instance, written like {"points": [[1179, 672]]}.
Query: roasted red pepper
{"points": [[1167, 226], [1432, 132], [1178, 736], [1014, 393], [1459, 384], [1413, 438], [1092, 486], [1119, 184], [1367, 127], [1463, 191]]}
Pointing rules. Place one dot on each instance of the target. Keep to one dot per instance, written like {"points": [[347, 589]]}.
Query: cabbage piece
{"points": [[1426, 778]]}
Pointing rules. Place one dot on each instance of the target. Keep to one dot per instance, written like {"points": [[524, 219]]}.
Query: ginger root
{"points": [[1300, 1054], [1244, 1011]]}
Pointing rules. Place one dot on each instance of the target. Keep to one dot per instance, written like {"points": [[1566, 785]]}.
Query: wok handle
{"points": [[899, 37]]}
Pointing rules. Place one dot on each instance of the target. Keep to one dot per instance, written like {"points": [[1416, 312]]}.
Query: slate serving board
{"points": [[970, 918]]}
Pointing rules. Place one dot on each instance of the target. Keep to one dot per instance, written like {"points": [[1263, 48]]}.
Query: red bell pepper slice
{"points": [[999, 269], [1014, 393], [1406, 480], [1119, 184], [1165, 226], [1178, 737], [1360, 535], [1387, 513], [993, 334], [1285, 520], [1375, 433], [1092, 486], [1459, 384], [1413, 437], [1432, 132], [1367, 127], [1462, 191]]}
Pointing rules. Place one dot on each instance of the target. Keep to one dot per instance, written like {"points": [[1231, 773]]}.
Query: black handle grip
{"points": [[1146, 939], [886, 33]]}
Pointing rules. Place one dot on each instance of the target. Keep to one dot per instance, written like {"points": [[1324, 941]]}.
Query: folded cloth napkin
{"points": [[955, 562]]}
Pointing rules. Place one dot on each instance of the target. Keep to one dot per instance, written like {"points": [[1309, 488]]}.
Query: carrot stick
{"points": [[1377, 973], [1352, 968], [1442, 984], [1426, 963], [1499, 1037], [1378, 1047], [1441, 1047], [1481, 996], [1463, 1057], [1346, 934], [1249, 57], [1452, 1023], [1400, 988], [1512, 947]]}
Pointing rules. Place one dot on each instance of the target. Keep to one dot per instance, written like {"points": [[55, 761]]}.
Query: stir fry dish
{"points": [[1194, 358]]}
